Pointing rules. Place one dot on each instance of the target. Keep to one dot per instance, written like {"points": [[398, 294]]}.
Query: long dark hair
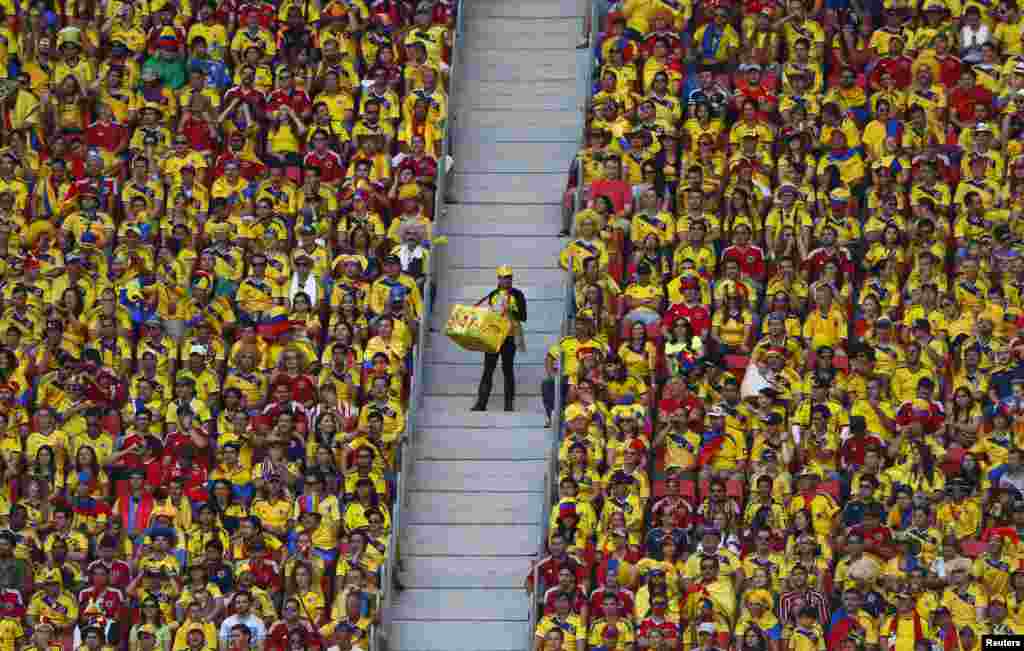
{"points": [[924, 451]]}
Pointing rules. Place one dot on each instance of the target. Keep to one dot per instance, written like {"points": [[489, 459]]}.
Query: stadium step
{"points": [[481, 443], [497, 220], [473, 516], [451, 635], [495, 33], [486, 250], [466, 605], [473, 540], [523, 64], [501, 188], [464, 379], [502, 476], [524, 9], [515, 157], [505, 125], [460, 572], [443, 411], [477, 508], [490, 95]]}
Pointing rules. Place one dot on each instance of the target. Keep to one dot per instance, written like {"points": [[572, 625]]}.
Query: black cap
{"points": [[858, 424], [392, 259], [773, 418]]}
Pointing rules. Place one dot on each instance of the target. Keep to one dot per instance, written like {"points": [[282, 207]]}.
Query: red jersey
{"points": [[550, 566], [624, 596], [579, 600], [899, 67], [11, 603], [668, 630], [107, 600], [818, 258], [252, 96], [104, 187], [930, 414], [852, 452], [330, 164], [250, 170], [131, 461], [119, 572], [444, 13], [698, 315], [266, 13], [265, 572], [424, 166], [647, 47], [678, 507], [619, 192], [963, 101], [949, 70], [198, 133], [105, 135], [757, 93], [279, 632], [876, 540], [295, 98], [750, 258]]}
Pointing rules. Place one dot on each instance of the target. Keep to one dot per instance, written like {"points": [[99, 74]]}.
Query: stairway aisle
{"points": [[472, 522]]}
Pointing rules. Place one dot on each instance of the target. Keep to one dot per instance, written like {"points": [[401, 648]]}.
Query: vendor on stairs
{"points": [[507, 300]]}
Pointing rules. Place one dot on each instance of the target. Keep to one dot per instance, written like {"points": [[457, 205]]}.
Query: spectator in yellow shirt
{"points": [[826, 325], [902, 630]]}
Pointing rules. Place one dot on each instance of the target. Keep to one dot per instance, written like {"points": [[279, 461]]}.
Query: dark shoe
{"points": [[509, 404], [483, 394]]}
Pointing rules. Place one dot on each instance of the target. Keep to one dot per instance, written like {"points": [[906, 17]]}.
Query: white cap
{"points": [[706, 627], [198, 348]]}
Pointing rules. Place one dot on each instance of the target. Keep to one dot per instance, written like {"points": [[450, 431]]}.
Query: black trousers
{"points": [[507, 353], [547, 393]]}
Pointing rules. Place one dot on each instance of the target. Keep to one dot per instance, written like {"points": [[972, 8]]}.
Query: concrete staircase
{"points": [[473, 515]]}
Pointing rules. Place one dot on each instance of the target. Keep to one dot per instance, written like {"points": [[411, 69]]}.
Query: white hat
{"points": [[706, 627], [198, 348]]}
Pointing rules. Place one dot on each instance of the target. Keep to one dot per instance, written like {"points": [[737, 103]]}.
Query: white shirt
{"points": [[255, 624], [311, 287]]}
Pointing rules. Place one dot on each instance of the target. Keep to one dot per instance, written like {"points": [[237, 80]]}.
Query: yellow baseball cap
{"points": [[576, 410], [762, 597], [504, 271]]}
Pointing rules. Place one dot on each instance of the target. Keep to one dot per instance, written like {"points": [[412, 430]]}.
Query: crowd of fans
{"points": [[215, 218], [794, 392]]}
